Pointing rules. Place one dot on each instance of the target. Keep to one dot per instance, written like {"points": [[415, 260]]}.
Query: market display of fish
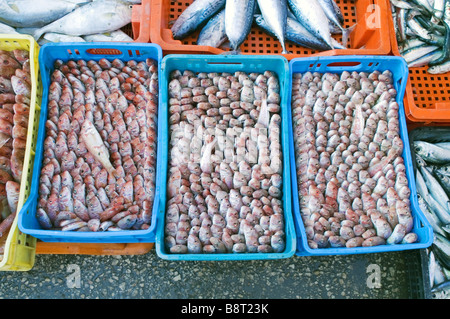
{"points": [[67, 20], [432, 156], [99, 166], [423, 33], [15, 95], [228, 22], [353, 188], [225, 164]]}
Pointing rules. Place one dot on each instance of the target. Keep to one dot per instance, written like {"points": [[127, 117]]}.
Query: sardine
{"points": [[432, 153]]}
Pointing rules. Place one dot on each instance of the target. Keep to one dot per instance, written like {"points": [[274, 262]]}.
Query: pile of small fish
{"points": [[305, 23], [433, 189], [353, 189], [225, 164], [15, 95], [99, 165], [423, 33], [67, 20]]}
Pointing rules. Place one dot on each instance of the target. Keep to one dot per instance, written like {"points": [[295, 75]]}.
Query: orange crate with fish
{"points": [[366, 19], [21, 92], [427, 95], [115, 197]]}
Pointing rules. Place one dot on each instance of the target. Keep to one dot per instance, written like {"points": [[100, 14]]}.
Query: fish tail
{"points": [[38, 33], [346, 33]]}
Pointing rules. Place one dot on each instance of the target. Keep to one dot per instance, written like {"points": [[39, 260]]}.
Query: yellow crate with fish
{"points": [[20, 97]]}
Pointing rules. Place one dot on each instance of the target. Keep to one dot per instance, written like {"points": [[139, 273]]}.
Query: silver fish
{"points": [[431, 216], [194, 16], [4, 28], [58, 37], [34, 13], [328, 7], [114, 36], [213, 33], [296, 33], [92, 18], [435, 189], [311, 15], [238, 21], [440, 69], [431, 153], [274, 13]]}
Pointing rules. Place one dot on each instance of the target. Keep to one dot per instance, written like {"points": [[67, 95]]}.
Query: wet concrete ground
{"points": [[393, 275]]}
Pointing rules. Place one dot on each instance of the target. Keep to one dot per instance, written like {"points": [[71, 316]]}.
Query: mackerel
{"points": [[295, 32], [195, 16], [311, 15], [275, 13], [238, 20], [328, 8], [213, 33]]}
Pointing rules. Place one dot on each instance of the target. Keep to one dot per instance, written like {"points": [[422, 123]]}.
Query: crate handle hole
{"points": [[339, 64], [104, 51], [235, 63]]}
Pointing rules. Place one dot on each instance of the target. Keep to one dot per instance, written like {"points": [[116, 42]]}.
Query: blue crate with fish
{"points": [[352, 176], [95, 171], [224, 199]]}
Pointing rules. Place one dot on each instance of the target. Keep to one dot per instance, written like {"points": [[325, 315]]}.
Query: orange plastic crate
{"points": [[139, 28], [369, 37], [44, 248], [427, 96]]}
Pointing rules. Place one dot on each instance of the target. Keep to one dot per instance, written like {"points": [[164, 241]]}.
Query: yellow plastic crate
{"points": [[20, 248]]}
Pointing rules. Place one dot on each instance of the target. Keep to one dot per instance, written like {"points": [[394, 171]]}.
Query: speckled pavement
{"points": [[368, 276]]}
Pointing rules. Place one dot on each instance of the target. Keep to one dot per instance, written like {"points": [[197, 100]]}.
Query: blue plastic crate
{"points": [[338, 64], [27, 221], [227, 63]]}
